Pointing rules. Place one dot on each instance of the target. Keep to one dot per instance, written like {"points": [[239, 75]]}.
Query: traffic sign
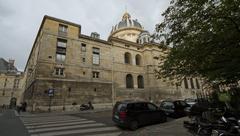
{"points": [[51, 92]]}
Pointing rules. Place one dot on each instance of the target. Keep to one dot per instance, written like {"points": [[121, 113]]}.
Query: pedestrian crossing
{"points": [[66, 125]]}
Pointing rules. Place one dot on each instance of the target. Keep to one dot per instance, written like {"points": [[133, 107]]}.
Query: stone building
{"points": [[11, 82], [81, 68]]}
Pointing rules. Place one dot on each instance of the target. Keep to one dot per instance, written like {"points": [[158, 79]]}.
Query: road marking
{"points": [[53, 122], [61, 124], [65, 127], [82, 131], [105, 134], [48, 119]]}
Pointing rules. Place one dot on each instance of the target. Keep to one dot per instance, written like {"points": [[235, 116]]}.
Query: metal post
{"points": [[113, 92], [50, 101]]}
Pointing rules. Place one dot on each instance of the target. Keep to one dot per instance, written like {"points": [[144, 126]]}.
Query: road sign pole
{"points": [[50, 101]]}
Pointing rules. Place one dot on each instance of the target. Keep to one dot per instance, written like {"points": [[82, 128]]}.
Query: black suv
{"points": [[174, 108], [132, 114]]}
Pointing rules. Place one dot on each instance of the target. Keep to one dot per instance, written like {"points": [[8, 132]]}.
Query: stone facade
{"points": [[11, 82], [81, 68]]}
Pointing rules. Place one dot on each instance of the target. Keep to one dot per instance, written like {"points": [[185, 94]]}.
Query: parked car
{"points": [[132, 114], [174, 108]]}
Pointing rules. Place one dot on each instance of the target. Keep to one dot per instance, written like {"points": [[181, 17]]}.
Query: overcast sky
{"points": [[20, 19]]}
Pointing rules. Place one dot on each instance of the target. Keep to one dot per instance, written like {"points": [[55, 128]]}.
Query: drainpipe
{"points": [[113, 91]]}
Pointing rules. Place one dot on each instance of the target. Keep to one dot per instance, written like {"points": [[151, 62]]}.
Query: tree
{"points": [[205, 39]]}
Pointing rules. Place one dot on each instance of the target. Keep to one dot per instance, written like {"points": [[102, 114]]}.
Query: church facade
{"points": [[80, 68]]}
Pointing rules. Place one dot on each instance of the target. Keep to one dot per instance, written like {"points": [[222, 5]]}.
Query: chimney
{"points": [[11, 64], [95, 35]]}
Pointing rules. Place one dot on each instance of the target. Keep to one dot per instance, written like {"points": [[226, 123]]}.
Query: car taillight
{"points": [[122, 115]]}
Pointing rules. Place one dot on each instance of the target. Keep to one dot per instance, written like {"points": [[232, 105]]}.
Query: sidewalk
{"points": [[171, 128], [11, 125]]}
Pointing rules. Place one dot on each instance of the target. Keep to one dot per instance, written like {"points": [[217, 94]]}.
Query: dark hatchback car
{"points": [[175, 109], [132, 114]]}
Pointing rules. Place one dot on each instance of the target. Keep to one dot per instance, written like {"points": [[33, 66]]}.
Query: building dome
{"points": [[126, 23], [127, 28]]}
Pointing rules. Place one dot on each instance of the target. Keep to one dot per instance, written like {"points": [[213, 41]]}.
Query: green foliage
{"points": [[205, 39], [224, 97]]}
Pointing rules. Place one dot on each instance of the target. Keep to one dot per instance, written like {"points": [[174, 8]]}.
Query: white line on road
{"points": [[65, 127], [48, 119], [59, 124], [52, 122], [106, 134], [80, 131]]}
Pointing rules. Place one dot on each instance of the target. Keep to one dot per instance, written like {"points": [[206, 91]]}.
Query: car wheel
{"points": [[133, 125]]}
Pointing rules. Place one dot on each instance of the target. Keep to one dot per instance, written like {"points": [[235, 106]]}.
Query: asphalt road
{"points": [[106, 118], [81, 123], [103, 117]]}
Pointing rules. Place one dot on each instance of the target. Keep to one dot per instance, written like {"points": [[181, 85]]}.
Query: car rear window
{"points": [[122, 107], [137, 106]]}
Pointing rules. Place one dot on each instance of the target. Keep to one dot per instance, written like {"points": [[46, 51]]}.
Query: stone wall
{"points": [[68, 92]]}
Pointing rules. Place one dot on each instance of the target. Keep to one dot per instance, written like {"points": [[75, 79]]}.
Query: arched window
{"points": [[185, 83], [127, 58], [140, 81], [129, 81], [138, 59], [191, 82], [197, 84]]}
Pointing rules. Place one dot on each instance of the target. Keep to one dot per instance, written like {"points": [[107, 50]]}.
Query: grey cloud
{"points": [[20, 19]]}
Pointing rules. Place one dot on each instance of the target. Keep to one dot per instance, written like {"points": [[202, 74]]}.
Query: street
{"points": [[88, 124]]}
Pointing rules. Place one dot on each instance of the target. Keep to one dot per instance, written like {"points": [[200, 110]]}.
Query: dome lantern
{"points": [[126, 16]]}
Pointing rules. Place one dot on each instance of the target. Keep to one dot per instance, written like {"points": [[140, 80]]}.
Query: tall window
{"points": [[129, 81], [83, 47], [95, 74], [138, 59], [185, 83], [16, 83], [140, 81], [96, 56], [62, 29], [197, 84], [191, 82], [61, 50], [127, 58]]}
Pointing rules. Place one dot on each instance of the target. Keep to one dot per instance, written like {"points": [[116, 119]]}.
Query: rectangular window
{"points": [[16, 83], [83, 59], [59, 71], [61, 50], [62, 29], [83, 47], [95, 74], [96, 56]]}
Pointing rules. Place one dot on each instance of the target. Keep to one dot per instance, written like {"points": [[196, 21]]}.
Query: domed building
{"points": [[127, 29], [144, 37], [79, 68]]}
